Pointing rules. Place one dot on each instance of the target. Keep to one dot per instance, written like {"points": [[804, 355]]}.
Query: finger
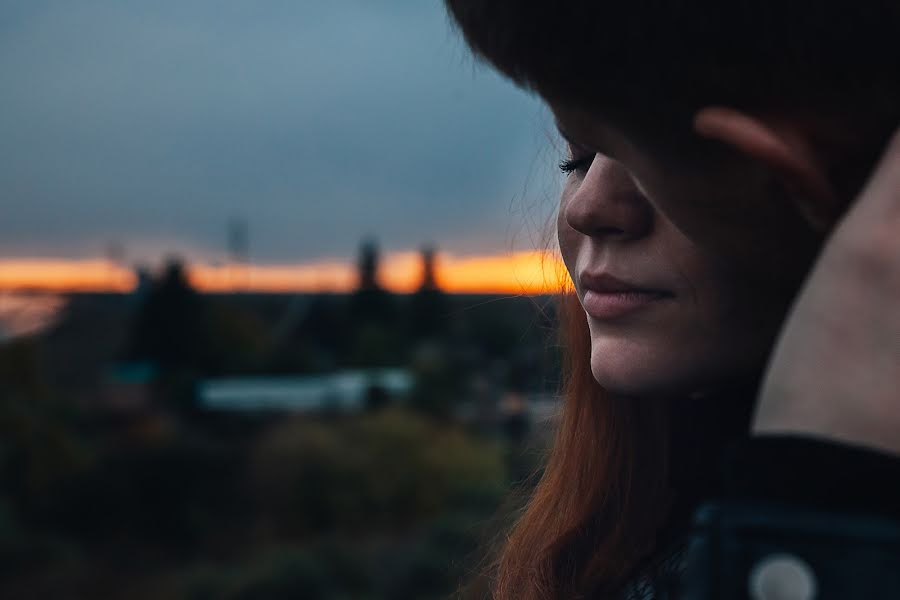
{"points": [[789, 158]]}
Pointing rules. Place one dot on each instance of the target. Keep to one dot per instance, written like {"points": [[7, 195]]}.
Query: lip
{"points": [[606, 297]]}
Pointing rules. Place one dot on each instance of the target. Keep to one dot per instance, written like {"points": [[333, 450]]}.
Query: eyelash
{"points": [[570, 165]]}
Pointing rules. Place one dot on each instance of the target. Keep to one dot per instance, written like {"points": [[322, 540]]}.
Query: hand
{"points": [[835, 370]]}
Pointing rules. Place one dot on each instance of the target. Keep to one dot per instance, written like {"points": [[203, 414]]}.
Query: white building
{"points": [[344, 391]]}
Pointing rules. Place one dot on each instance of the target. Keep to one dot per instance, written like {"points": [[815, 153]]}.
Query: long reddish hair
{"points": [[594, 515]]}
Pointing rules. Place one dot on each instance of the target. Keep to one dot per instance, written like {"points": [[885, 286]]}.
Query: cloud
{"points": [[155, 123]]}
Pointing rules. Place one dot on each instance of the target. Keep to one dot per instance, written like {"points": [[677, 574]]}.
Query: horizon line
{"points": [[532, 272]]}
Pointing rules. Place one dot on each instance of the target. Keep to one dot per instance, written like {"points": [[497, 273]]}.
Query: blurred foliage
{"points": [[169, 329], [377, 505], [428, 314], [235, 339], [374, 345], [437, 381], [382, 471], [38, 444], [116, 483], [323, 572]]}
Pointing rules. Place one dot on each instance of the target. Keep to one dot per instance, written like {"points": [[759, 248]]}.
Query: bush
{"points": [[381, 471], [321, 572]]}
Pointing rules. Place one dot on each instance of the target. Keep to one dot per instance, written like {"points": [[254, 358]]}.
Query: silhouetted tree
{"points": [[370, 303], [428, 306], [170, 326], [373, 315], [368, 266], [429, 272]]}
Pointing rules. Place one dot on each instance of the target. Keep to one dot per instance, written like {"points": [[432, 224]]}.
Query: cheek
{"points": [[751, 225], [709, 220], [735, 316]]}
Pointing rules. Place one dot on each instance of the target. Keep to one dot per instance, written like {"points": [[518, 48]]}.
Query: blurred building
{"points": [[344, 391]]}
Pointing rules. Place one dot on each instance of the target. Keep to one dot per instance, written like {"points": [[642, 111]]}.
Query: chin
{"points": [[621, 374], [665, 376], [631, 373]]}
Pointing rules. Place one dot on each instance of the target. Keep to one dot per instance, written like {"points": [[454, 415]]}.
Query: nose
{"points": [[607, 203]]}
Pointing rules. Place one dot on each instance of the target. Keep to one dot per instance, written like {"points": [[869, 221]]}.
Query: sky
{"points": [[148, 126]]}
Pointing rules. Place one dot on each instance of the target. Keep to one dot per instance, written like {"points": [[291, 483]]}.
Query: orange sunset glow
{"points": [[532, 272]]}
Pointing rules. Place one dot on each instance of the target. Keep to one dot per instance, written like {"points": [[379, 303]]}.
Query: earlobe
{"points": [[782, 151]]}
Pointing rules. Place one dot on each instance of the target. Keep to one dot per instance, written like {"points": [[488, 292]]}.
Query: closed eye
{"points": [[580, 164]]}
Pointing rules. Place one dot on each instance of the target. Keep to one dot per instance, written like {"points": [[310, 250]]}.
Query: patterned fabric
{"points": [[661, 581]]}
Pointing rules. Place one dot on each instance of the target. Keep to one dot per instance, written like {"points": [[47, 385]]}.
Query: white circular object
{"points": [[782, 577]]}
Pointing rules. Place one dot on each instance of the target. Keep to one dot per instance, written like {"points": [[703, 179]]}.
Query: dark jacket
{"points": [[796, 518]]}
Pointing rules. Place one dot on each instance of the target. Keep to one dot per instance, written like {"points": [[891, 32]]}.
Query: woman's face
{"points": [[685, 274]]}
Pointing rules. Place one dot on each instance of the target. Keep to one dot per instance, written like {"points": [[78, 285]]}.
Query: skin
{"points": [[767, 213], [835, 372], [730, 251]]}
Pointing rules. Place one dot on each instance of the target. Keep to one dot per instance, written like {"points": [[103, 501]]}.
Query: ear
{"points": [[781, 149]]}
